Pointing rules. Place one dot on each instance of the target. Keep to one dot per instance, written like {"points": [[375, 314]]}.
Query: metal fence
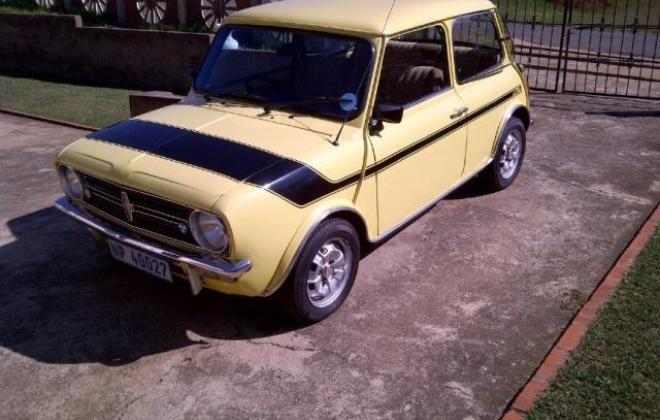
{"points": [[601, 47]]}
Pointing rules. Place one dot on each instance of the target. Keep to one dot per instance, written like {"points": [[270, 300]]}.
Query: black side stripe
{"points": [[415, 147], [289, 179]]}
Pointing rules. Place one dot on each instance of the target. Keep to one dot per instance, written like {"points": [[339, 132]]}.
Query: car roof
{"points": [[373, 17]]}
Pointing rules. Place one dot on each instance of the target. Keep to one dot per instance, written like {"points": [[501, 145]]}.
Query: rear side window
{"points": [[477, 46], [414, 67]]}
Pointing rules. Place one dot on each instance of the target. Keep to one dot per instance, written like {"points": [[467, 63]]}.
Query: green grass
{"points": [[88, 105], [616, 372], [618, 12], [32, 9]]}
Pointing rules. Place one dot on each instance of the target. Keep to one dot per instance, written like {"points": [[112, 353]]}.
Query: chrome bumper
{"points": [[214, 266]]}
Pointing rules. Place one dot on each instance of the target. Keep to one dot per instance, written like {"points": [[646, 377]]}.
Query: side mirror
{"points": [[389, 113]]}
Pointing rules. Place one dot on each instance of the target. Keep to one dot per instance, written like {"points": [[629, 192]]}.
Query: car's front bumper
{"points": [[194, 266]]}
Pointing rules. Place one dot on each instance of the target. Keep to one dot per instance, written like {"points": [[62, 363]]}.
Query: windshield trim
{"points": [[368, 77]]}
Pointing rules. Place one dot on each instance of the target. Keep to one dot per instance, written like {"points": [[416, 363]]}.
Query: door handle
{"points": [[458, 113]]}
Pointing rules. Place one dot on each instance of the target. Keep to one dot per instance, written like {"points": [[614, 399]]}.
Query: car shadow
{"points": [[473, 188], [65, 301]]}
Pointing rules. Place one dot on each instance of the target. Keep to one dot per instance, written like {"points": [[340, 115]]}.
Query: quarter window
{"points": [[477, 46], [414, 67]]}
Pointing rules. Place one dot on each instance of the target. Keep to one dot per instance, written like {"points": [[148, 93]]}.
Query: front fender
{"points": [[321, 212], [269, 231]]}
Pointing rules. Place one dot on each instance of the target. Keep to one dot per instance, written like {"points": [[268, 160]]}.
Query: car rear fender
{"points": [[515, 110]]}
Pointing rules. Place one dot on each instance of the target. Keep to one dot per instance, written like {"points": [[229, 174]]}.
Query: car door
{"points": [[422, 157], [485, 81]]}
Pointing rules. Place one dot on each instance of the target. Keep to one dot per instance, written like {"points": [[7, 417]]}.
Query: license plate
{"points": [[154, 266]]}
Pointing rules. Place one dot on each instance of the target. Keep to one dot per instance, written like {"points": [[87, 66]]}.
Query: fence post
{"points": [[568, 8]]}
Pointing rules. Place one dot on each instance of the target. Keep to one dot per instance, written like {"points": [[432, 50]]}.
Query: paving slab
{"points": [[448, 319]]}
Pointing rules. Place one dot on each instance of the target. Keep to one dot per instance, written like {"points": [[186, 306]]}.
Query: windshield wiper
{"points": [[269, 106], [314, 101], [261, 100]]}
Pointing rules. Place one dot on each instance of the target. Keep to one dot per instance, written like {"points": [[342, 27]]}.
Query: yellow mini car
{"points": [[314, 128]]}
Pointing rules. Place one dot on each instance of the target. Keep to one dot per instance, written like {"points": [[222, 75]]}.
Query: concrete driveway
{"points": [[446, 320]]}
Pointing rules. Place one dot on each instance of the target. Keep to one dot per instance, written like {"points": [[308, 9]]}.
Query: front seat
{"points": [[417, 82]]}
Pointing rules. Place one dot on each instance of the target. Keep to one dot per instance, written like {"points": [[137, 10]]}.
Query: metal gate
{"points": [[601, 47]]}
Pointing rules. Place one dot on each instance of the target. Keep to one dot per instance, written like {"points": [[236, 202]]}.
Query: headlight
{"points": [[71, 183], [209, 231]]}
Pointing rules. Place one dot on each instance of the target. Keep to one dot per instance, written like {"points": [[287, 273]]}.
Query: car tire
{"points": [[324, 273], [505, 167]]}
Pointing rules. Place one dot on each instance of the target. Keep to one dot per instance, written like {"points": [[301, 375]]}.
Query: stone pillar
{"points": [[182, 10]]}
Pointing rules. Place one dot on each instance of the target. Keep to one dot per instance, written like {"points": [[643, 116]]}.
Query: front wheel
{"points": [[508, 160], [324, 273]]}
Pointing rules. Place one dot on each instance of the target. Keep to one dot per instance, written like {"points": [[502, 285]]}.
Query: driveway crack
{"points": [[283, 346]]}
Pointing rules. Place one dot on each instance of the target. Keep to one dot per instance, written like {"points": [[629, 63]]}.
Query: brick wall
{"points": [[61, 47]]}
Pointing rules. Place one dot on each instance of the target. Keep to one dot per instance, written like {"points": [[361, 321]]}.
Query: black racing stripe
{"points": [[231, 159], [287, 178], [298, 183], [136, 134], [290, 179]]}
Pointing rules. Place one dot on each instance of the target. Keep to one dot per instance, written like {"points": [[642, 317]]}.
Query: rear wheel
{"points": [[324, 273], [504, 169]]}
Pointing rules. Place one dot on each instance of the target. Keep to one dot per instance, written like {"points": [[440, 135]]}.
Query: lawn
{"points": [[88, 105], [616, 372], [618, 12], [22, 7]]}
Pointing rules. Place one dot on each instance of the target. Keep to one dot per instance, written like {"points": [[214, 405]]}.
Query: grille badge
{"points": [[128, 206], [183, 228]]}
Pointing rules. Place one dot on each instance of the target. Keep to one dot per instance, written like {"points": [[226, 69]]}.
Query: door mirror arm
{"points": [[192, 74], [375, 126]]}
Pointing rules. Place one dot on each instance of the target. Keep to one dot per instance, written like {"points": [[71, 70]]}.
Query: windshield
{"points": [[301, 70]]}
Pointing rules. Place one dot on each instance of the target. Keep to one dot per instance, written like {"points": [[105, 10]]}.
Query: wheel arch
{"points": [[519, 111], [522, 113], [346, 211]]}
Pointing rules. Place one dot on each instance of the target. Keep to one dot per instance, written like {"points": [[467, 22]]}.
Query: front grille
{"points": [[150, 213]]}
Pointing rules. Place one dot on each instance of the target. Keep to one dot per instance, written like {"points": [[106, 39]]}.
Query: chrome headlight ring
{"points": [[209, 231], [71, 182]]}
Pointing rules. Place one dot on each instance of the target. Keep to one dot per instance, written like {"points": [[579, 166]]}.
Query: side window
{"points": [[414, 67], [477, 45]]}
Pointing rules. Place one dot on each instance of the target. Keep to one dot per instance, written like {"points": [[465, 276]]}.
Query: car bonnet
{"points": [[196, 154]]}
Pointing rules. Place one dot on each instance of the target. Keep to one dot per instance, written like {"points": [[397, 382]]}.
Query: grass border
{"points": [[48, 120], [571, 337]]}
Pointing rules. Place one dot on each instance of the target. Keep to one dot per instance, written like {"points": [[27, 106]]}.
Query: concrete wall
{"points": [[59, 46]]}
